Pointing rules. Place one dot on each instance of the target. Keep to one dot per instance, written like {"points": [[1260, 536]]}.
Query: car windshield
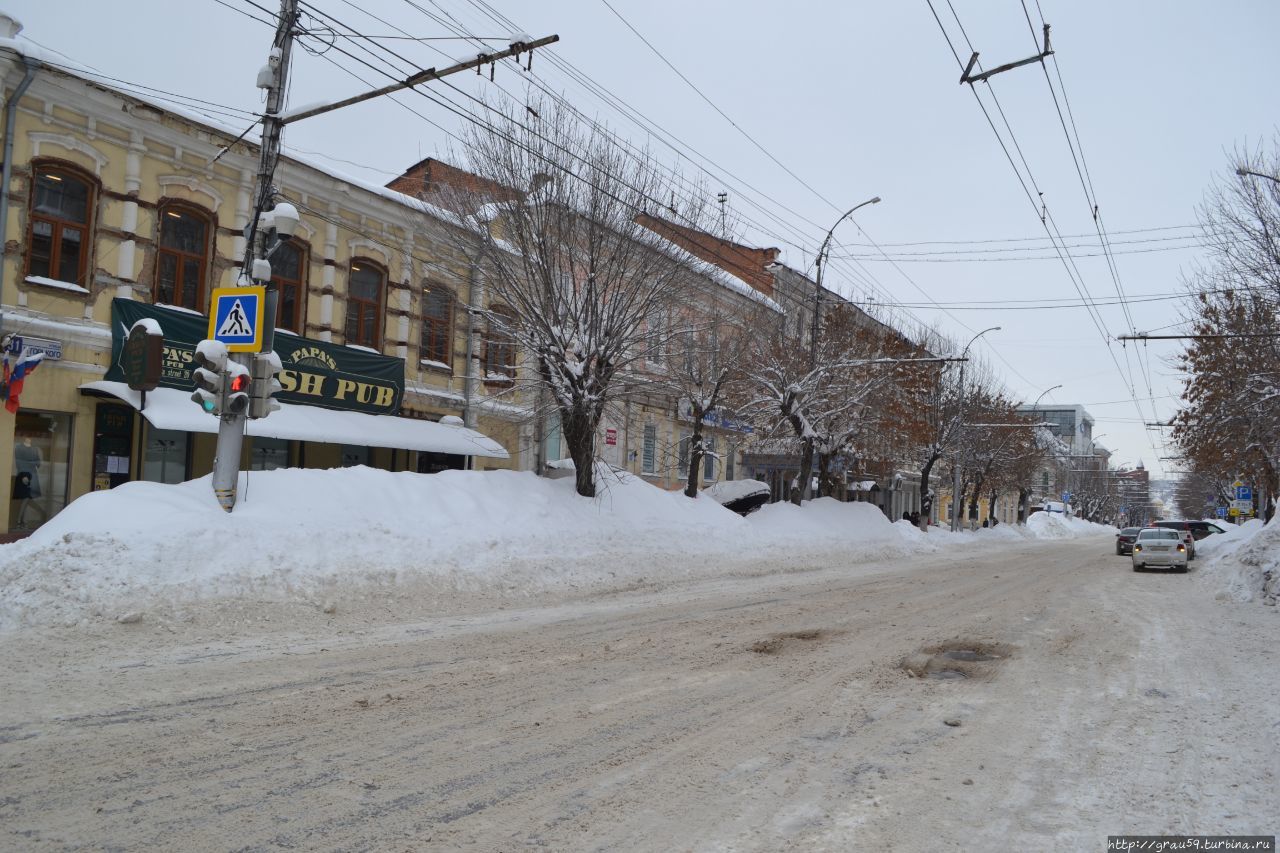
{"points": [[1161, 533], [1130, 531]]}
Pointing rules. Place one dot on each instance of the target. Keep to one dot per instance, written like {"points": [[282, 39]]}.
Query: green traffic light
{"points": [[207, 405]]}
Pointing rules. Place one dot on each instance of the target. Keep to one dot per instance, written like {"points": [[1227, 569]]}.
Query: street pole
{"points": [[816, 325], [274, 78], [956, 463], [817, 290]]}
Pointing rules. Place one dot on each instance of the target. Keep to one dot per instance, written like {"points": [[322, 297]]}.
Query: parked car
{"points": [[1160, 546], [1199, 529], [1125, 539], [1187, 532]]}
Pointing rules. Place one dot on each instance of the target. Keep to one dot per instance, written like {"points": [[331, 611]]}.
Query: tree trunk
{"points": [[695, 456], [801, 487], [926, 496], [1024, 495], [580, 436], [973, 500], [991, 509]]}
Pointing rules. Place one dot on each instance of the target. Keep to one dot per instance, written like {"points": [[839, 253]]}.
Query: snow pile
{"points": [[1054, 525], [306, 535], [1244, 562], [732, 490]]}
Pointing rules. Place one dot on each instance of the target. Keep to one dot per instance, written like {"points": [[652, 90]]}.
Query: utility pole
{"points": [[273, 77], [271, 222]]}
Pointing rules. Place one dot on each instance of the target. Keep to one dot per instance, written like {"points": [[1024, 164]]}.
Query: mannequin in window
{"points": [[26, 475]]}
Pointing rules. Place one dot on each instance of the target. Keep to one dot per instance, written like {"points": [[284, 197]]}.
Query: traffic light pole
{"points": [[274, 77]]}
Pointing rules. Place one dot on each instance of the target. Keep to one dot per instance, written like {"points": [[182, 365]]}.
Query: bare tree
{"points": [[819, 405], [705, 369], [564, 255], [934, 416], [1231, 414]]}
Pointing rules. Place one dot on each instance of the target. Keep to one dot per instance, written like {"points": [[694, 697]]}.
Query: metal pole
{"points": [[955, 468], [817, 312], [226, 462]]}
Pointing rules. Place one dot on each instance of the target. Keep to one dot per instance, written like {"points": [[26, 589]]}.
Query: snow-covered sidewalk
{"points": [[307, 535]]}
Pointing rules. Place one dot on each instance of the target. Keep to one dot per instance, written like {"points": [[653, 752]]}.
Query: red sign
{"points": [[611, 437]]}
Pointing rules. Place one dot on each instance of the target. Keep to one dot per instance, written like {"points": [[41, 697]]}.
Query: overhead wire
{"points": [[1042, 212], [865, 271]]}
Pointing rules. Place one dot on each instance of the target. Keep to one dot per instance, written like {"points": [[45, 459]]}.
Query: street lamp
{"points": [[1242, 172], [955, 472], [817, 290]]}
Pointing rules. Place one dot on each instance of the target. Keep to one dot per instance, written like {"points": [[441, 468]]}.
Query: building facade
{"points": [[114, 207]]}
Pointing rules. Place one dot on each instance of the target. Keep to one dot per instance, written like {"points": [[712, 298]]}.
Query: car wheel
{"points": [[1183, 570], [1136, 567]]}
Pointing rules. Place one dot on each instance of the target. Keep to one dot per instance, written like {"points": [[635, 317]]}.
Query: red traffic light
{"points": [[239, 382]]}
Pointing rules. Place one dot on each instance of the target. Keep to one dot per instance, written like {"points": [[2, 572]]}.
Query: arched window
{"points": [[182, 257], [364, 303], [289, 273], [437, 325], [62, 204], [500, 346]]}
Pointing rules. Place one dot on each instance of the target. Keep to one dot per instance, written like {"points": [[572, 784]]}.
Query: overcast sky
{"points": [[852, 99]]}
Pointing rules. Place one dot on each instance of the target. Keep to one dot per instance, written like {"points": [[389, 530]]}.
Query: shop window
{"points": [[649, 454], [682, 456], [554, 435], [112, 445], [41, 456], [353, 455], [289, 274], [433, 463], [500, 347], [268, 454], [729, 453], [364, 303], [437, 325], [165, 459], [709, 459], [61, 206], [182, 258]]}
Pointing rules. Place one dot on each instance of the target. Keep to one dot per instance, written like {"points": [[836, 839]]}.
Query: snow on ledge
{"points": [[55, 283]]}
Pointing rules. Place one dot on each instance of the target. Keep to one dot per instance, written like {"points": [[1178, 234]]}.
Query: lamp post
{"points": [[817, 290], [1242, 172], [955, 468]]}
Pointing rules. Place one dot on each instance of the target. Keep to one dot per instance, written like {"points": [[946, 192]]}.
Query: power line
{"points": [[1046, 219]]}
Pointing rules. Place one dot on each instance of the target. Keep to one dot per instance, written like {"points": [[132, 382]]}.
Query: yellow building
{"points": [[112, 208]]}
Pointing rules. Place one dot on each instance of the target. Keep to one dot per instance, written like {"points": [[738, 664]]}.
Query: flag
{"points": [[15, 376]]}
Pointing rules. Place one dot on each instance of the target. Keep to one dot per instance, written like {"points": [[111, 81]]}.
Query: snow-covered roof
{"points": [[169, 408]]}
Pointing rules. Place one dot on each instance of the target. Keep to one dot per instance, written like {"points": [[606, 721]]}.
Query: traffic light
{"points": [[210, 376], [239, 385], [265, 367]]}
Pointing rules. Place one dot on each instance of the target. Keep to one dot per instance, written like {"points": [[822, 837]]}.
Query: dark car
{"points": [[1199, 529], [1125, 539], [1183, 529]]}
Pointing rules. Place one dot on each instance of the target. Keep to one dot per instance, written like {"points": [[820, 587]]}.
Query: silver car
{"points": [[1159, 546]]}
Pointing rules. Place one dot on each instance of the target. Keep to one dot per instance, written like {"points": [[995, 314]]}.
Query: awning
{"points": [[169, 408]]}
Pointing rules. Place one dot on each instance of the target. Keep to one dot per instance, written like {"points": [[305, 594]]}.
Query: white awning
{"points": [[169, 408]]}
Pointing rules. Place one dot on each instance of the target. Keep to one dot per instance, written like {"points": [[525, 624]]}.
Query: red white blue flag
{"points": [[16, 375]]}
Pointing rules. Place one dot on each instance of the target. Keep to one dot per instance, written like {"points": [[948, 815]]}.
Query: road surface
{"points": [[1038, 694]]}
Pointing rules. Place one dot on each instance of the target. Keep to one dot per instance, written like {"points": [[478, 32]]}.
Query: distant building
{"points": [[1070, 423]]}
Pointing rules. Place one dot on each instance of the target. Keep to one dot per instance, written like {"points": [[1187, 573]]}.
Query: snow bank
{"points": [[1243, 564], [1053, 525], [303, 534]]}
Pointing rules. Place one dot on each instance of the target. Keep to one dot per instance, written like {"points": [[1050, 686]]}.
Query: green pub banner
{"points": [[314, 373]]}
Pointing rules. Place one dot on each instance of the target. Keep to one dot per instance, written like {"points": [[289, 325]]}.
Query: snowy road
{"points": [[762, 713]]}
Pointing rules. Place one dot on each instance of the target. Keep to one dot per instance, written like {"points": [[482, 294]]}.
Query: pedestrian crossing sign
{"points": [[235, 317]]}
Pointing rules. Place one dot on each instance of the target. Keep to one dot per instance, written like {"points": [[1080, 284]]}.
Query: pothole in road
{"points": [[775, 644], [945, 674], [955, 661], [968, 655]]}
